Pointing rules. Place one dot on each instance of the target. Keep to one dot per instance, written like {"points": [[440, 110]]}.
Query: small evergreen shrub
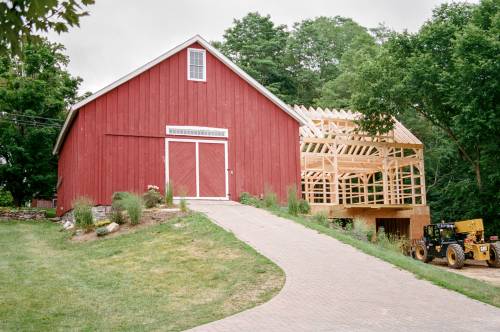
{"points": [[270, 198], [82, 211], [304, 207], [101, 231], [6, 198], [134, 206], [169, 195], [152, 197], [293, 202]]}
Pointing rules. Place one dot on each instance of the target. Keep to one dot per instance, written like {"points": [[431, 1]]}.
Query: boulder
{"points": [[68, 225], [113, 227]]}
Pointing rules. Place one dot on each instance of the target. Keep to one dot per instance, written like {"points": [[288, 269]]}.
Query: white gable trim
{"points": [[278, 102]]}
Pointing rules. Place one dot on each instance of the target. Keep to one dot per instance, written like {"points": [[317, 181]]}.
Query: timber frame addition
{"points": [[342, 166]]}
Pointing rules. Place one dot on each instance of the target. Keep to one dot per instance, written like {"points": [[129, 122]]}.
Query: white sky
{"points": [[120, 36]]}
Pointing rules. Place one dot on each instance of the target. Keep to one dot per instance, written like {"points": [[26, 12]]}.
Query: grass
{"points": [[171, 276], [476, 289]]}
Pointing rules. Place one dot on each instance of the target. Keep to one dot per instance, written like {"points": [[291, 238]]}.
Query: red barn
{"points": [[191, 117]]}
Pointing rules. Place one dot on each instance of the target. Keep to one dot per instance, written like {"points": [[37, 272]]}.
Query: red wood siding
{"points": [[117, 141]]}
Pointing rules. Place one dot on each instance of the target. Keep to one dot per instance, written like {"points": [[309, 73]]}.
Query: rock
{"points": [[113, 227], [68, 225]]}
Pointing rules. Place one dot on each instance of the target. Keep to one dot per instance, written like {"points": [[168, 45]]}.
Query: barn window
{"points": [[196, 64]]}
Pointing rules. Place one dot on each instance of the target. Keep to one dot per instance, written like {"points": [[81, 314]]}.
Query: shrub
{"points": [[152, 197], [101, 231], [6, 198], [82, 211], [119, 195], [321, 218], [270, 198], [134, 205], [245, 198], [361, 231], [304, 206], [293, 202], [169, 195]]}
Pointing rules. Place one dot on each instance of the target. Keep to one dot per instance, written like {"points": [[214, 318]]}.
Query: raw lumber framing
{"points": [[342, 166]]}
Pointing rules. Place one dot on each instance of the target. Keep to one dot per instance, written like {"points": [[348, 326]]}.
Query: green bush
{"points": [[82, 211], [304, 206], [119, 195], [169, 195], [361, 231], [6, 198], [101, 231], [321, 218], [152, 198], [245, 198], [270, 198], [293, 202], [134, 206]]}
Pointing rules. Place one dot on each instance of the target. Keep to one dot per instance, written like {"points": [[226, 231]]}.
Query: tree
{"points": [[35, 91], [20, 20], [258, 46], [315, 49], [446, 75]]}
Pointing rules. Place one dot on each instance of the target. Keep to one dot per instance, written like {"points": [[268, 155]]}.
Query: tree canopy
{"points": [[35, 92], [21, 20]]}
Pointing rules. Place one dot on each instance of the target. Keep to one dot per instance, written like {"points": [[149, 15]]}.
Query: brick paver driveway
{"points": [[331, 286]]}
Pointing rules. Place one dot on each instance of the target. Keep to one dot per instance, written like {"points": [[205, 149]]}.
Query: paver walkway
{"points": [[331, 286]]}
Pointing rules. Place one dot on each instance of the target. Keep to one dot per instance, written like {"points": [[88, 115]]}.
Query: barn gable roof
{"points": [[299, 117]]}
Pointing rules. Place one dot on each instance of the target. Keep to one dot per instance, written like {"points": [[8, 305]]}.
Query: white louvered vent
{"points": [[196, 131]]}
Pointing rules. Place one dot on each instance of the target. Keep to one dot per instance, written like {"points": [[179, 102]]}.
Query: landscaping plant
{"points": [[293, 202], [134, 205], [321, 218], [304, 207], [169, 195], [183, 205], [361, 231], [82, 211], [152, 197], [270, 198]]}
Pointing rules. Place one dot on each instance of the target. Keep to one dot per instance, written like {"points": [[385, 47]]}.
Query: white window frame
{"points": [[204, 53], [218, 132], [197, 157]]}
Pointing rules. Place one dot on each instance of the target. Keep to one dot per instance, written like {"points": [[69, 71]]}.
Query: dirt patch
{"points": [[149, 218], [473, 269]]}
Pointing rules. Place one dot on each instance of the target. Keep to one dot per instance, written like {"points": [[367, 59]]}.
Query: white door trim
{"points": [[197, 156]]}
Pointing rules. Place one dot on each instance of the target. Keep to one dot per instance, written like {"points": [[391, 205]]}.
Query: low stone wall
{"points": [[99, 212], [21, 214]]}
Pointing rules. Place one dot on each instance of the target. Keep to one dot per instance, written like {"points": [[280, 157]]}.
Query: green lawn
{"points": [[473, 288], [171, 276]]}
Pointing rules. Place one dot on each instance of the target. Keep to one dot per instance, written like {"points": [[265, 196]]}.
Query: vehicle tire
{"points": [[422, 254], [494, 260], [455, 256]]}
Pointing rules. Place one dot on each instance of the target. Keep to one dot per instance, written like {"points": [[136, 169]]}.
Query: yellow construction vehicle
{"points": [[457, 241]]}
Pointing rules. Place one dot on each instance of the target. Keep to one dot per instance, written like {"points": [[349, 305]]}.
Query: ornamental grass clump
{"points": [[321, 218], [304, 207], [293, 202], [270, 198], [82, 211], [169, 195], [361, 231], [134, 205]]}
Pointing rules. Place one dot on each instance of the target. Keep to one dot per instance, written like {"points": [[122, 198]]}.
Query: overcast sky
{"points": [[120, 36]]}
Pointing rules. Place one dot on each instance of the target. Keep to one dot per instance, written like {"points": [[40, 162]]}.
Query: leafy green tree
{"points": [[258, 46], [21, 20], [446, 75], [315, 50], [35, 91]]}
